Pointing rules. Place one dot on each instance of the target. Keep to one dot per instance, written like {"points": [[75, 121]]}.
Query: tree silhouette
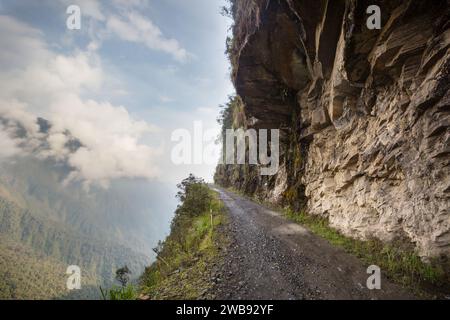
{"points": [[123, 275]]}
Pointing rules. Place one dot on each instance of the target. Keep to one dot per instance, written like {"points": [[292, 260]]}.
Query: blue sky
{"points": [[150, 66]]}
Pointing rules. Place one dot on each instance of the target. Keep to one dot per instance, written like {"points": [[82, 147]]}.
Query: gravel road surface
{"points": [[270, 257]]}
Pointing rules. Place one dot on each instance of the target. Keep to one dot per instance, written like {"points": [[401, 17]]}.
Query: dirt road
{"points": [[272, 258]]}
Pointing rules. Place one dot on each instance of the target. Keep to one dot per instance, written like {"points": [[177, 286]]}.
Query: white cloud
{"points": [[52, 86], [89, 8], [122, 19], [120, 92], [8, 146], [165, 99], [131, 3], [134, 27], [206, 110], [20, 43]]}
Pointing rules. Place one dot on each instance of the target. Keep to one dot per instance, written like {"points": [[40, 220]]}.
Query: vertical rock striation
{"points": [[364, 114]]}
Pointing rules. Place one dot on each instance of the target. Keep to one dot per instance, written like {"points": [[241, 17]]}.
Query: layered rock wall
{"points": [[364, 114]]}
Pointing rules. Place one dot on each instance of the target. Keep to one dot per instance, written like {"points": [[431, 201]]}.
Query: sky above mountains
{"points": [[136, 71]]}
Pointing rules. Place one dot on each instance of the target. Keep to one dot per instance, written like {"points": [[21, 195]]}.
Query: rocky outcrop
{"points": [[364, 114]]}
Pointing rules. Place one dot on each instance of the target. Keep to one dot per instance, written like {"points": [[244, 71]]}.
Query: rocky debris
{"points": [[364, 113]]}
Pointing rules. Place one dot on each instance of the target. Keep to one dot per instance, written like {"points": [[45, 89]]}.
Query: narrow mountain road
{"points": [[270, 257]]}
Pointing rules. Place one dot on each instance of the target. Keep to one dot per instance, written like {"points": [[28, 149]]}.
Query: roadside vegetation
{"points": [[126, 290], [185, 259]]}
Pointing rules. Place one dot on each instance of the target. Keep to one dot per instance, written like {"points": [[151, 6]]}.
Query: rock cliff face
{"points": [[364, 114]]}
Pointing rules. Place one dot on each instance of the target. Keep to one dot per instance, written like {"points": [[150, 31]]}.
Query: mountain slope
{"points": [[26, 274], [55, 225]]}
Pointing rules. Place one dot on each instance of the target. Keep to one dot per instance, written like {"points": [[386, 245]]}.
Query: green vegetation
{"points": [[120, 293], [125, 292], [34, 259], [400, 263], [45, 227], [185, 258], [231, 115], [246, 17], [26, 274]]}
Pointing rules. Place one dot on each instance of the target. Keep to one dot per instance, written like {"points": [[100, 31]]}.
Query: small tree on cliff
{"points": [[123, 276], [194, 195]]}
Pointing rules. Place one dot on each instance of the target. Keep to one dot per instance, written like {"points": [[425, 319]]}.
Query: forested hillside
{"points": [[27, 274], [45, 226]]}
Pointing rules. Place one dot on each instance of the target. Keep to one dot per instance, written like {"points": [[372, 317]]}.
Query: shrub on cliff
{"points": [[186, 255], [194, 195]]}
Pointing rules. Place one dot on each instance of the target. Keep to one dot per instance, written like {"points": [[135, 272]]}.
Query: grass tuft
{"points": [[128, 292]]}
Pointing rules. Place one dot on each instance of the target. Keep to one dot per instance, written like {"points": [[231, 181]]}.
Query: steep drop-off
{"points": [[363, 114]]}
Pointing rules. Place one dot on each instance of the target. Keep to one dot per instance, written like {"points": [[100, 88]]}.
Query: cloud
{"points": [[206, 110], [20, 43], [90, 8], [165, 99], [8, 147], [121, 18], [134, 27], [140, 4], [98, 140]]}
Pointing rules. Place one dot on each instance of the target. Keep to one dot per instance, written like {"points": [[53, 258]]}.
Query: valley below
{"points": [[46, 227]]}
